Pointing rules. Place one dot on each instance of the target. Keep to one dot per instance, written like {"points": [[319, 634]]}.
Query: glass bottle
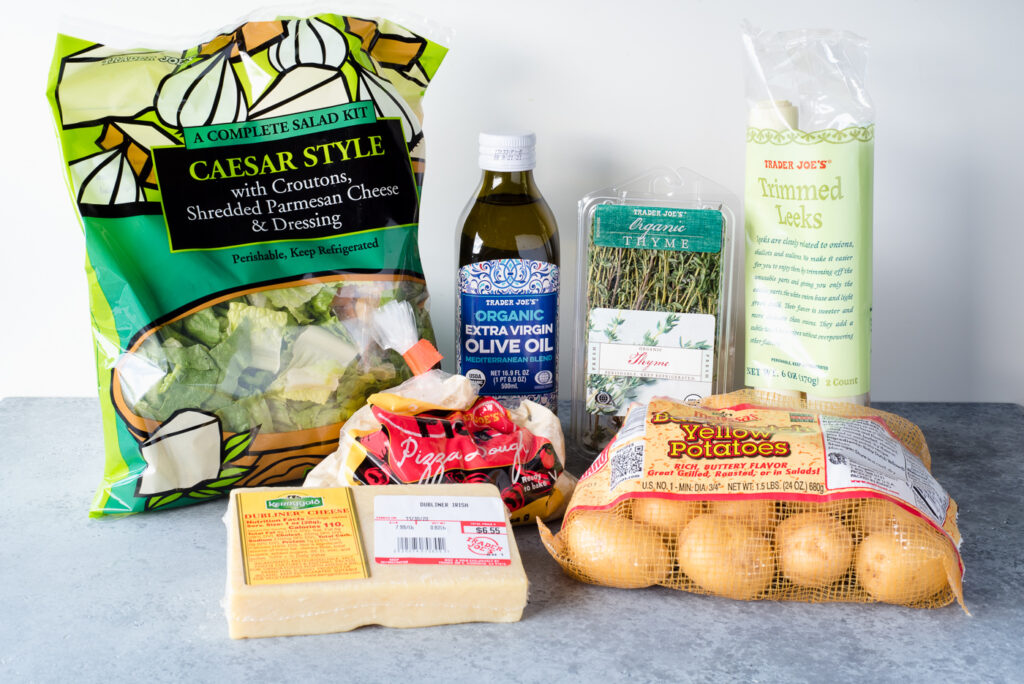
{"points": [[507, 303]]}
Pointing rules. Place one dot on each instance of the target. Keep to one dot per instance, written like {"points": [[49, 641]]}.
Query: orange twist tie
{"points": [[421, 357]]}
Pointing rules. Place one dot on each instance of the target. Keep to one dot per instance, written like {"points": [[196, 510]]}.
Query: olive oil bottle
{"points": [[507, 311]]}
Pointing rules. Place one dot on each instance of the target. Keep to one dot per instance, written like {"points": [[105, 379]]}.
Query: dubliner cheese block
{"points": [[311, 561]]}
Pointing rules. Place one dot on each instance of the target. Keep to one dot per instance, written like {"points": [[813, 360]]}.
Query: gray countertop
{"points": [[138, 598]]}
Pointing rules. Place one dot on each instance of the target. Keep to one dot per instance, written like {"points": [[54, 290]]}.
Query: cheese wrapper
{"points": [[313, 561]]}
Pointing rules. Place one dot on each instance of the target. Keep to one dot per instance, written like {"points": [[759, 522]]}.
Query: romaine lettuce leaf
{"points": [[314, 382], [294, 299], [265, 328], [279, 359], [204, 326]]}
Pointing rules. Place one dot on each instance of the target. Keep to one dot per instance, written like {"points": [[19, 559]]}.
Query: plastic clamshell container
{"points": [[650, 352]]}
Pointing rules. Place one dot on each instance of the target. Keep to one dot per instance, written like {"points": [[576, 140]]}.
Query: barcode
{"points": [[627, 463], [433, 544]]}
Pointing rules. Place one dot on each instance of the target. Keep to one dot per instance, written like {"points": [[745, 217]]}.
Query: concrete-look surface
{"points": [[138, 598]]}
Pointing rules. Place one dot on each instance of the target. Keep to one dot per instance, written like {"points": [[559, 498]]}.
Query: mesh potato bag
{"points": [[757, 496], [248, 201]]}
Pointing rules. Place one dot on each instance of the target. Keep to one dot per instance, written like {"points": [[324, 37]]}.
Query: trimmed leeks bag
{"points": [[808, 214], [248, 203]]}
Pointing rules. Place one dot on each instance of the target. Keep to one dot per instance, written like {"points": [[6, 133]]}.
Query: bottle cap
{"points": [[508, 151]]}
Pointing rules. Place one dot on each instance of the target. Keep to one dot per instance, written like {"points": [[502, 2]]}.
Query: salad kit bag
{"points": [[754, 495], [248, 202]]}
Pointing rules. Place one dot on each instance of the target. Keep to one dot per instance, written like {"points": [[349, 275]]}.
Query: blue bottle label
{"points": [[508, 328]]}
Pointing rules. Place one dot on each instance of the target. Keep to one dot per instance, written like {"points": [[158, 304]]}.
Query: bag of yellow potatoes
{"points": [[756, 496]]}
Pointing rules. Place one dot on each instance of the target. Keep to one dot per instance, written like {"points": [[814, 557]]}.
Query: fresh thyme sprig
{"points": [[672, 281]]}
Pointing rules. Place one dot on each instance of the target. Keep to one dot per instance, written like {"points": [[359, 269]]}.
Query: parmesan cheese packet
{"points": [[758, 496]]}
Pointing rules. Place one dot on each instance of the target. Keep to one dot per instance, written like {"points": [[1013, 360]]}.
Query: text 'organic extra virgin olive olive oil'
{"points": [[508, 279]]}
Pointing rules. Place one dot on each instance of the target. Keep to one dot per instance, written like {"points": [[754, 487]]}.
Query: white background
{"points": [[612, 88]]}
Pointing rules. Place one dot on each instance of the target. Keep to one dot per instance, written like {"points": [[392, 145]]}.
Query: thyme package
{"points": [[656, 288], [248, 203]]}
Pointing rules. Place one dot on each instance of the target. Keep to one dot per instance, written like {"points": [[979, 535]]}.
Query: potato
{"points": [[668, 516], [725, 556], [758, 512], [894, 570], [615, 551], [880, 515], [815, 549]]}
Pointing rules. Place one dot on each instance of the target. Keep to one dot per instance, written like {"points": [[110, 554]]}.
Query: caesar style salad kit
{"points": [[250, 207], [248, 202]]}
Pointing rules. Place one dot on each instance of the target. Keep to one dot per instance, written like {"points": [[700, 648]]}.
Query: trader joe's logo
{"points": [[294, 502]]}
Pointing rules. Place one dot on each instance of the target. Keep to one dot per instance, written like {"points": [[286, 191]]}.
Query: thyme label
{"points": [[661, 228]]}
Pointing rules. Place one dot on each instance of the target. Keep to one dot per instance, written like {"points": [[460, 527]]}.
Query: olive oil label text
{"points": [[509, 327]]}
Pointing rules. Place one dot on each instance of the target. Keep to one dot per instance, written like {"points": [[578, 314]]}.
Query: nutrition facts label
{"points": [[307, 535], [863, 453]]}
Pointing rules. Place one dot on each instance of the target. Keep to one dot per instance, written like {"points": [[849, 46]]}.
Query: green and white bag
{"points": [[808, 215], [247, 204]]}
